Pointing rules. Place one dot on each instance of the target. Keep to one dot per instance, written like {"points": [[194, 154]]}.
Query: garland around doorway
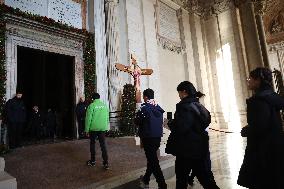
{"points": [[88, 51]]}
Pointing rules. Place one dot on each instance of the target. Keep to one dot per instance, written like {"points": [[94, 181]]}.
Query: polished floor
{"points": [[227, 151]]}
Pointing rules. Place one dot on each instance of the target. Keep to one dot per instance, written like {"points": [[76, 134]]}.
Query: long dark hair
{"points": [[189, 89], [265, 77]]}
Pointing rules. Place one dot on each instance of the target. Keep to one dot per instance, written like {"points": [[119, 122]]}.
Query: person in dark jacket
{"points": [[188, 140], [16, 117], [150, 130], [263, 164], [81, 109], [36, 123], [50, 122]]}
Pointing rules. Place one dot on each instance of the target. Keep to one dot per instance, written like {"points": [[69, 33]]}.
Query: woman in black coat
{"points": [[263, 161], [188, 140]]}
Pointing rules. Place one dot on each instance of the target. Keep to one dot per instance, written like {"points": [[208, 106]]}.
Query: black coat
{"points": [[81, 110], [263, 161], [36, 120], [188, 137], [15, 111]]}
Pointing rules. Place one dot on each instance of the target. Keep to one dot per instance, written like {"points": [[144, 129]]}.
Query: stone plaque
{"points": [[65, 11], [168, 24], [38, 7]]}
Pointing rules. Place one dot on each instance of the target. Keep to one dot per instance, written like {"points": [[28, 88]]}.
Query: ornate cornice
{"points": [[260, 7], [208, 9], [114, 2], [276, 46]]}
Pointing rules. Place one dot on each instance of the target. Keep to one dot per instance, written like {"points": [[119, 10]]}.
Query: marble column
{"points": [[250, 32], [101, 52], [259, 11], [115, 76], [183, 44]]}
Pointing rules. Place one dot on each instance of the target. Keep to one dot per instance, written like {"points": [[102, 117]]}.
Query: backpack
{"points": [[202, 113]]}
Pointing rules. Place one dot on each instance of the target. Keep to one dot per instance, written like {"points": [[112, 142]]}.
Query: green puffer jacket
{"points": [[97, 117]]}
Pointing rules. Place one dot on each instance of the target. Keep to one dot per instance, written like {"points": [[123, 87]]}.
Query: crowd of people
{"points": [[263, 164], [29, 126]]}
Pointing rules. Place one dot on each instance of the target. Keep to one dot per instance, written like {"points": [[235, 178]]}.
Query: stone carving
{"points": [[277, 24], [260, 7], [29, 37], [206, 9]]}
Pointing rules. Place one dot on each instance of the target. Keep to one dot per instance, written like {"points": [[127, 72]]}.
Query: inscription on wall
{"points": [[168, 23], [168, 31], [38, 7], [65, 11]]}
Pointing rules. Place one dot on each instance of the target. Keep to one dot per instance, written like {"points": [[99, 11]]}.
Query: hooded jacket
{"points": [[150, 121]]}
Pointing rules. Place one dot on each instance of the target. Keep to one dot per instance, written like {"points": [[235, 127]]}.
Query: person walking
{"points": [[97, 123], [263, 164], [188, 140], [150, 130]]}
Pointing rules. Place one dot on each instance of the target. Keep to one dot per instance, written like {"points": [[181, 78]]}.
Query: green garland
{"points": [[89, 49]]}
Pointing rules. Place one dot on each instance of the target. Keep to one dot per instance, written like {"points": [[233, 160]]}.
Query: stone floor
{"points": [[63, 165], [227, 150]]}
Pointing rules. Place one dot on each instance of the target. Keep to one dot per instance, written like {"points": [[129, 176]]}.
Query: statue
{"points": [[135, 71]]}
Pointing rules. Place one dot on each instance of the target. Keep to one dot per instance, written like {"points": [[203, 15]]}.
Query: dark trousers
{"points": [[151, 145], [15, 134], [101, 136], [199, 167], [208, 168], [81, 124]]}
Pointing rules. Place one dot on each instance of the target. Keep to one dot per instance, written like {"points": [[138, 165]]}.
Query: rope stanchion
{"points": [[217, 130]]}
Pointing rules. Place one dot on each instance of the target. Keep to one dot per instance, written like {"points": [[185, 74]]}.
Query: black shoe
{"points": [[106, 166], [91, 163]]}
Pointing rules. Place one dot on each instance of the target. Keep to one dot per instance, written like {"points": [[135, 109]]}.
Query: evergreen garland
{"points": [[89, 49], [89, 67], [128, 109]]}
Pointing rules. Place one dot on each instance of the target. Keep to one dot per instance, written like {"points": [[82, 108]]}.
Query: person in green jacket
{"points": [[96, 125]]}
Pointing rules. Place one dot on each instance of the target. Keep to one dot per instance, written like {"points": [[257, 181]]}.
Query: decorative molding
{"points": [[170, 45], [217, 8], [276, 47], [29, 37], [260, 7], [113, 2], [207, 10]]}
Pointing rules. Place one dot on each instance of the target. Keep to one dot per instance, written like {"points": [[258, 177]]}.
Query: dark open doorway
{"points": [[47, 80]]}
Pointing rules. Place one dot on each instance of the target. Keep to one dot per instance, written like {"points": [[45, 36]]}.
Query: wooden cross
{"points": [[135, 71]]}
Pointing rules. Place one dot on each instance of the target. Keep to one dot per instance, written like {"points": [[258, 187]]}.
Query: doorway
{"points": [[47, 81]]}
